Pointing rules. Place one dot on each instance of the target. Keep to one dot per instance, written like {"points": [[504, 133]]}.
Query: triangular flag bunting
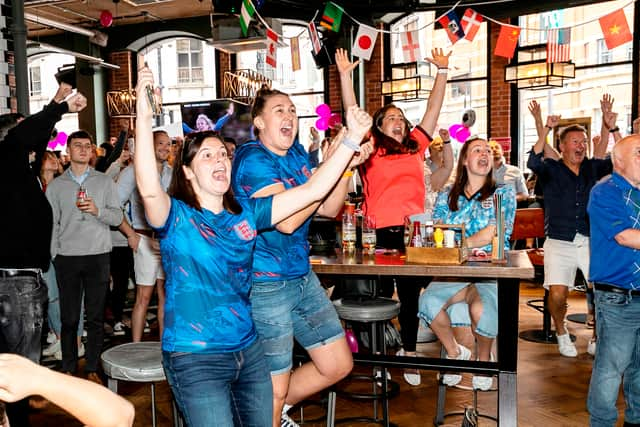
{"points": [[615, 29], [295, 53], [410, 46], [452, 25], [331, 17], [272, 41], [471, 23], [507, 41], [365, 42], [246, 13], [315, 40], [558, 45]]}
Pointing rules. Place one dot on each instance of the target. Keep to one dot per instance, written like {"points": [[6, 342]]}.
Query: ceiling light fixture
{"points": [[532, 71], [95, 36], [408, 82]]}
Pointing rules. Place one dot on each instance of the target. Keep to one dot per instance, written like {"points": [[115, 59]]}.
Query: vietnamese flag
{"points": [[615, 29], [507, 41]]}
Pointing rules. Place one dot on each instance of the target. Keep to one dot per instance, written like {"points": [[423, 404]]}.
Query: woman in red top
{"points": [[393, 182]]}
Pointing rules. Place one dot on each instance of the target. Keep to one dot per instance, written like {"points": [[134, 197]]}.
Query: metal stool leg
{"points": [[153, 404]]}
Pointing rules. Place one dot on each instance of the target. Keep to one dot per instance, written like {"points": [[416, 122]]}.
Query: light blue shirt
{"points": [[128, 192], [477, 214]]}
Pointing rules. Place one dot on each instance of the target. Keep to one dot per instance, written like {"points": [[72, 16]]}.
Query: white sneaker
{"points": [[591, 347], [411, 376], [566, 346], [52, 348], [58, 354], [454, 379], [51, 337], [119, 328], [286, 421], [483, 383]]}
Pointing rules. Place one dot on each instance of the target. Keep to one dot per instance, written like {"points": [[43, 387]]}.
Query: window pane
{"points": [[182, 45], [470, 58], [579, 97], [587, 44], [183, 60]]}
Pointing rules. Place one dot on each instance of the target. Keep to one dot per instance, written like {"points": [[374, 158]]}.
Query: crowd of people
{"points": [[221, 233]]}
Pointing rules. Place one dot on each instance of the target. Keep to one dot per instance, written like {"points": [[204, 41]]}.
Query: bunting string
{"points": [[488, 18]]}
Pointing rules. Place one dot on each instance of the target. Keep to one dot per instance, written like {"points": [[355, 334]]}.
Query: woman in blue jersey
{"points": [[286, 296], [211, 355], [447, 303]]}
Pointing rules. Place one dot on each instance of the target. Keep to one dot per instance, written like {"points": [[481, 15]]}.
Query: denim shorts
{"points": [[296, 308], [221, 389], [439, 292]]}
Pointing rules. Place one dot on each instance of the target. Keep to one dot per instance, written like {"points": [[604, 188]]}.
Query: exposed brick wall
{"points": [[374, 71], [119, 80], [499, 91], [334, 98], [224, 65], [8, 102]]}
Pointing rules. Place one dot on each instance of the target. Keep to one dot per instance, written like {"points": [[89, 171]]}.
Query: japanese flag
{"points": [[272, 40], [365, 41]]}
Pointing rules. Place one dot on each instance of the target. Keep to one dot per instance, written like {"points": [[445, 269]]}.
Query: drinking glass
{"points": [[368, 234], [81, 197]]}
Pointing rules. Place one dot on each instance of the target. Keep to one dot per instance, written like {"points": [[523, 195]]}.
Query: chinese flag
{"points": [[507, 41], [615, 29]]}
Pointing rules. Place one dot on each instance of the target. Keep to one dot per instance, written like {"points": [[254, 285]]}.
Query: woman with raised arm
{"points": [[445, 303], [393, 182], [287, 298], [213, 360]]}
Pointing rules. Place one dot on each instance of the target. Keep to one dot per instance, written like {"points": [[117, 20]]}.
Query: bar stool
{"points": [[136, 362], [442, 395], [375, 312]]}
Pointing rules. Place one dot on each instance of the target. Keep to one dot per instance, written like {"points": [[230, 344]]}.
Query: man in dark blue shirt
{"points": [[566, 184], [614, 207]]}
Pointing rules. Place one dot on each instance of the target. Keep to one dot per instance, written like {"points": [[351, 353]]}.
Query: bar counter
{"points": [[508, 274]]}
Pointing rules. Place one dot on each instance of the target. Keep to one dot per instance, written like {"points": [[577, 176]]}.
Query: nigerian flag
{"points": [[246, 12]]}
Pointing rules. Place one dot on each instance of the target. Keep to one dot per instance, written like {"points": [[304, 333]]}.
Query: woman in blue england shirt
{"points": [[447, 304], [211, 355]]}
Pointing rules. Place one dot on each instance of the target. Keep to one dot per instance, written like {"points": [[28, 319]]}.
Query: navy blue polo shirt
{"points": [[566, 194]]}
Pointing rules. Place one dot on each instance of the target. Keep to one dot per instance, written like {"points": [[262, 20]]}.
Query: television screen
{"points": [[230, 118]]}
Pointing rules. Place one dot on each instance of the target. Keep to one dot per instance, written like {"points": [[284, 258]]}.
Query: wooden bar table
{"points": [[508, 275]]}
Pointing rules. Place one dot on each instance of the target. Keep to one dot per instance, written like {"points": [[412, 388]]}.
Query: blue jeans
{"points": [[22, 305], [221, 389], [617, 359]]}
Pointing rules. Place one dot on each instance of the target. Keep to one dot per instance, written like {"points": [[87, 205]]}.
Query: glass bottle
{"points": [[416, 237], [349, 228]]}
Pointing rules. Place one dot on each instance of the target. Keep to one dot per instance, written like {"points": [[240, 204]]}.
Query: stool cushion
{"points": [[367, 310], [134, 361]]}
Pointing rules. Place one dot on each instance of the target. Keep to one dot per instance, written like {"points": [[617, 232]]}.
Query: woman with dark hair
{"points": [[393, 183], [287, 298], [212, 357], [447, 304]]}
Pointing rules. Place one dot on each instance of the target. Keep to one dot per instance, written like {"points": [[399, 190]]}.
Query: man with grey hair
{"points": [[566, 183], [614, 209]]}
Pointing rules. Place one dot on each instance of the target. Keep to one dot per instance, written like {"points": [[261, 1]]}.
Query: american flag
{"points": [[558, 45]]}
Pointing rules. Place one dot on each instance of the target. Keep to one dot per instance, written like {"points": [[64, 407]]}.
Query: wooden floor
{"points": [[552, 389]]}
